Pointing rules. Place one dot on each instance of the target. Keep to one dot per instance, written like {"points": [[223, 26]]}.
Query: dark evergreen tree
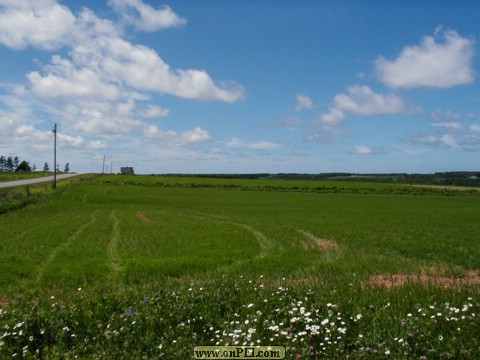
{"points": [[9, 164], [67, 168], [24, 166], [45, 167]]}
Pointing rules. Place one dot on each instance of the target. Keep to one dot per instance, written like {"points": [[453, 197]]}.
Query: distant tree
{"points": [[45, 167], [58, 167], [24, 166], [9, 164], [16, 161], [34, 167], [3, 163], [67, 168]]}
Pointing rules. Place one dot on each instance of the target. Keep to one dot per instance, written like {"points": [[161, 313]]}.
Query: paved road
{"points": [[7, 184]]}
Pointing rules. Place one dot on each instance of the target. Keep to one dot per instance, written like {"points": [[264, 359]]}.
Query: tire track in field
{"points": [[65, 244], [113, 245], [266, 244]]}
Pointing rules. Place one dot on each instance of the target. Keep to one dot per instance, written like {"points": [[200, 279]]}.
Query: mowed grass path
{"points": [[110, 235]]}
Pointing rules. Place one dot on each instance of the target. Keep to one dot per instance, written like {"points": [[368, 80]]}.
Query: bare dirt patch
{"points": [[142, 217], [320, 243], [435, 277]]}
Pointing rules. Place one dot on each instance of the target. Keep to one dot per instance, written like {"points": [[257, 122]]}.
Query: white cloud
{"points": [[363, 101], [434, 63], [141, 68], [42, 140], [102, 62], [64, 79], [260, 145], [363, 150], [303, 102], [101, 118], [450, 134], [333, 116], [43, 24], [145, 17], [155, 134], [366, 150], [100, 84], [154, 111]]}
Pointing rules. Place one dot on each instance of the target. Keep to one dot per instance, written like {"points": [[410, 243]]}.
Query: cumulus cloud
{"points": [[103, 63], [363, 101], [41, 140], [43, 24], [440, 61], [155, 134], [303, 103], [102, 117], [97, 83], [453, 134], [64, 79], [142, 68], [154, 111], [144, 17], [107, 65]]}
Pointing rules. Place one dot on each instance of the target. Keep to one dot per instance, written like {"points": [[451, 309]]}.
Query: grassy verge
{"points": [[167, 320]]}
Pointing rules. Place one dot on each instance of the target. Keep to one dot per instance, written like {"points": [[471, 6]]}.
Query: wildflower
{"points": [[129, 313], [387, 352], [249, 306], [440, 337]]}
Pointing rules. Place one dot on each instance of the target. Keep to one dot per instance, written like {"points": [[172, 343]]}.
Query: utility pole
{"points": [[55, 157]]}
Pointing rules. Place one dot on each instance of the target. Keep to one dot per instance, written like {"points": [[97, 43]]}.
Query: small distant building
{"points": [[127, 170]]}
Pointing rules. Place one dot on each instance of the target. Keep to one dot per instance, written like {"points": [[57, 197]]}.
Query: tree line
{"points": [[13, 164]]}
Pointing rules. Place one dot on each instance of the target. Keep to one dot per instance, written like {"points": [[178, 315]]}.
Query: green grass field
{"points": [[147, 267]]}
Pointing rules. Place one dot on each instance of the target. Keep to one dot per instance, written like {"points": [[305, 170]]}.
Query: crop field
{"points": [[136, 267]]}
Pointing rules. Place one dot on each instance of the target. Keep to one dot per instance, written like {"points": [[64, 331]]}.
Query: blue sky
{"points": [[242, 86]]}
